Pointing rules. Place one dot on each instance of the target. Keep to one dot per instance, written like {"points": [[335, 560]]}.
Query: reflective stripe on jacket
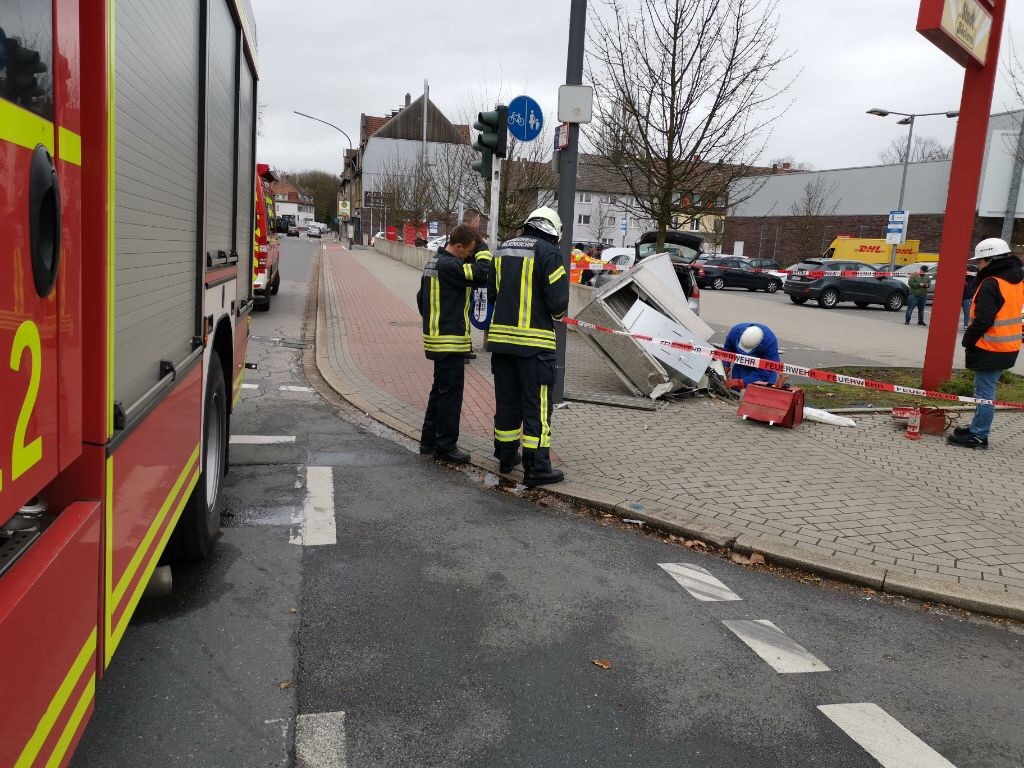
{"points": [[444, 300], [529, 287], [1004, 335]]}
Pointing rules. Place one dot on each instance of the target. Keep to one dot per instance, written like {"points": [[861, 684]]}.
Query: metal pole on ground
{"points": [[567, 160], [903, 186]]}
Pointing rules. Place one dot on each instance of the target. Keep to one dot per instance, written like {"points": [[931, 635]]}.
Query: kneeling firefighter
{"points": [[530, 291]]}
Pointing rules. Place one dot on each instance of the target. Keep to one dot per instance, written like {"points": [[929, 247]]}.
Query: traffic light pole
{"points": [[492, 218], [567, 161]]}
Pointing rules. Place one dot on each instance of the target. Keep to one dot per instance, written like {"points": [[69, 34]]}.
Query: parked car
{"points": [[829, 290], [733, 272], [436, 242], [293, 230], [313, 230], [682, 247]]}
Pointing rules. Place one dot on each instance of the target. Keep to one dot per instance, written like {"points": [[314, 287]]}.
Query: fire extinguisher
{"points": [[914, 425]]}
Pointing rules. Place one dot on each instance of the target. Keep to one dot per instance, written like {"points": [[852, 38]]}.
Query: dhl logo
{"points": [[878, 249]]}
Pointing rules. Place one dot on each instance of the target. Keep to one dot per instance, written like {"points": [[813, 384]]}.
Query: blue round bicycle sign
{"points": [[525, 120]]}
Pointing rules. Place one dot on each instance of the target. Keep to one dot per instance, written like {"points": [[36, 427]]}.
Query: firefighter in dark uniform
{"points": [[530, 291], [443, 300]]}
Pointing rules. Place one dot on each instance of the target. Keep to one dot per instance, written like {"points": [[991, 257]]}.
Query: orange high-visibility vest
{"points": [[578, 261], [1005, 333]]}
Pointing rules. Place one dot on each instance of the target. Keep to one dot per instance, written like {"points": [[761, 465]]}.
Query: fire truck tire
{"points": [[200, 520], [276, 285], [264, 306]]}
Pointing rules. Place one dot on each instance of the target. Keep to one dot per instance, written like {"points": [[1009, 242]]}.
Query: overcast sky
{"points": [[336, 60]]}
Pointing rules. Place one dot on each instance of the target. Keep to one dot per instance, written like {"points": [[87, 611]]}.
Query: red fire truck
{"points": [[127, 215], [266, 275]]}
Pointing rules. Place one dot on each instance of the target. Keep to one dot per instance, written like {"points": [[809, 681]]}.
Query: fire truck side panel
{"points": [[48, 611], [157, 167], [244, 223], [29, 341], [150, 475], [68, 105]]}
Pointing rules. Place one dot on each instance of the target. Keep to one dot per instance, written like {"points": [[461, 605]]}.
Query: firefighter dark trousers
{"points": [[444, 407], [522, 395]]}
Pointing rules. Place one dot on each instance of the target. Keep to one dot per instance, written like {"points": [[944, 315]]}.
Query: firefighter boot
{"points": [[537, 469], [508, 463]]}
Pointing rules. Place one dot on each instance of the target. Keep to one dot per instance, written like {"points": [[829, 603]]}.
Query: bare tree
{"points": [[807, 211], [527, 181], [451, 181], [684, 95], [404, 189], [925, 148], [600, 212]]}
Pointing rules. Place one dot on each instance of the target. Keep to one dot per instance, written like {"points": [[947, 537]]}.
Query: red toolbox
{"points": [[784, 407]]}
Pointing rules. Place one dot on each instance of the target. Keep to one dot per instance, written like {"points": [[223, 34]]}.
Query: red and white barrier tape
{"points": [[793, 370]]}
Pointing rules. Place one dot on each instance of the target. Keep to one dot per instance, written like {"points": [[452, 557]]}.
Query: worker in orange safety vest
{"points": [[579, 260]]}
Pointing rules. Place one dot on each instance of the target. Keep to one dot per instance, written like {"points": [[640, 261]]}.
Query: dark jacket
{"points": [[443, 301], [530, 290], [988, 300], [970, 284]]}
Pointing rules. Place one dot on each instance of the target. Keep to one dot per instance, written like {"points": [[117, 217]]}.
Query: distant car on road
{"points": [[313, 230], [293, 230], [734, 272], [830, 290]]}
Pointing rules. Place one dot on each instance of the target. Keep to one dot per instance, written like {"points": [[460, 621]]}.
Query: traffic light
{"points": [[23, 64], [493, 138]]}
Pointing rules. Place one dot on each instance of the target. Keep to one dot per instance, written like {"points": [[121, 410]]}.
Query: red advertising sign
{"points": [[960, 28]]}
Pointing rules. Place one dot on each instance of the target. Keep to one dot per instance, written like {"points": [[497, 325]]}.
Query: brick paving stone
{"points": [[917, 506]]}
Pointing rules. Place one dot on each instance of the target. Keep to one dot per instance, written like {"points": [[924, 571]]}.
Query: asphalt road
{"points": [[369, 607]]}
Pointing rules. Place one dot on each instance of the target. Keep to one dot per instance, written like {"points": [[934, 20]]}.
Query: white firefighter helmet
{"points": [[545, 220], [991, 248], [751, 337]]}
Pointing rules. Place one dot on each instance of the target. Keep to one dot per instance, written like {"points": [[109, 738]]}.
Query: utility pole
{"points": [[567, 162]]}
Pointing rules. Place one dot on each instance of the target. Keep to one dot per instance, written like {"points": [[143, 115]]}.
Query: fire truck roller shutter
{"points": [[156, 180], [221, 143], [244, 223]]}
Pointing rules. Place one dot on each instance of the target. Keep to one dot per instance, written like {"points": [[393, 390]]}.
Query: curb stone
{"points": [[895, 582]]}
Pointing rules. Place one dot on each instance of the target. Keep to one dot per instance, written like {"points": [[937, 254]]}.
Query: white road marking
{"points": [[771, 644], [320, 741], [318, 527], [295, 389], [250, 386], [882, 736], [699, 583], [261, 439]]}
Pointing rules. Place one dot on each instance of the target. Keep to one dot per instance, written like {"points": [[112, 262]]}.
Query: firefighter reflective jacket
{"points": [[444, 298], [993, 338], [578, 262], [530, 290]]}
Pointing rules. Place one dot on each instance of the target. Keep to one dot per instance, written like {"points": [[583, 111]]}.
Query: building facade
{"points": [[289, 200], [774, 216]]}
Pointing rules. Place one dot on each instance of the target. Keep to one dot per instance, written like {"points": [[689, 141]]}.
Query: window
{"points": [[607, 241], [583, 218], [611, 220], [584, 197], [634, 223], [29, 40], [696, 225]]}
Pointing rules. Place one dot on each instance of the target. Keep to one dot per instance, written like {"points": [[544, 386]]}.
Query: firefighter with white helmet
{"points": [[755, 340], [529, 288], [993, 337]]}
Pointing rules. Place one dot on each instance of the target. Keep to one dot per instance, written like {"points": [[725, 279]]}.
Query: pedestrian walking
{"points": [[970, 283], [919, 285], [530, 291], [755, 340], [993, 338], [443, 301]]}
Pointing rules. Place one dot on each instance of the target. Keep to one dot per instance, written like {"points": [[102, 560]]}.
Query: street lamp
{"points": [[908, 119], [332, 125]]}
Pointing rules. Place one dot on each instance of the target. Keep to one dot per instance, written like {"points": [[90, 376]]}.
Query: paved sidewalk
{"points": [[863, 504]]}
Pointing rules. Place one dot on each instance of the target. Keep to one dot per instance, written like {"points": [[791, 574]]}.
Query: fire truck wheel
{"points": [[200, 520], [276, 285], [264, 306]]}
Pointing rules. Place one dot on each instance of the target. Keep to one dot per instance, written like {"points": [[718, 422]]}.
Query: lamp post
{"points": [[332, 125], [908, 119]]}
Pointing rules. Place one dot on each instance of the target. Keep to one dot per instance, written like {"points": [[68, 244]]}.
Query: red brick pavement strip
{"points": [[384, 338]]}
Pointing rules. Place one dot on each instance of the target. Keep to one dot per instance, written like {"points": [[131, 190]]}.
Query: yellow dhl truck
{"points": [[876, 250]]}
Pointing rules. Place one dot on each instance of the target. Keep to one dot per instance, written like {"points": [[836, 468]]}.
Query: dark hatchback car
{"points": [[731, 272], [862, 289]]}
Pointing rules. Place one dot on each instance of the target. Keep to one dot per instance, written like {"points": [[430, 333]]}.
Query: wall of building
{"points": [[779, 237]]}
